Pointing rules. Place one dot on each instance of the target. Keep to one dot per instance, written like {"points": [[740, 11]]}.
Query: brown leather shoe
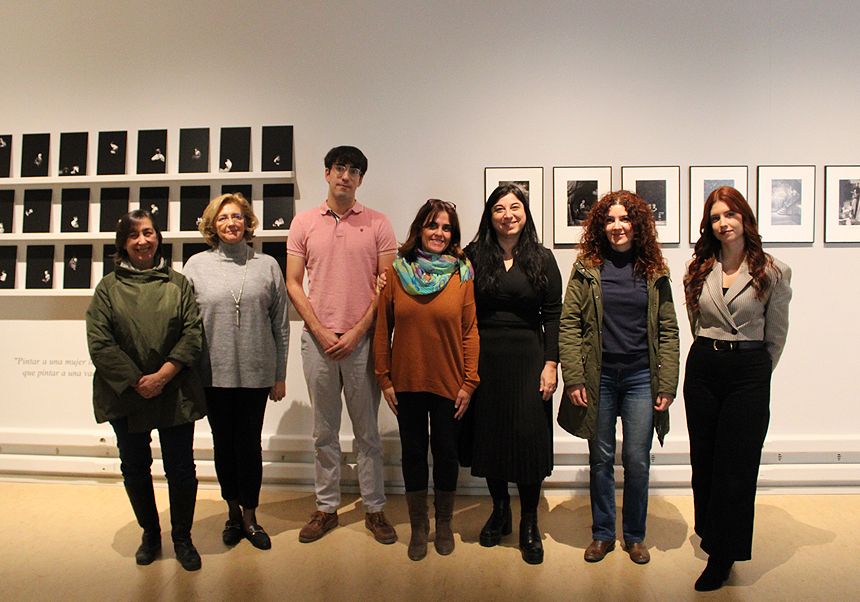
{"points": [[320, 524], [382, 530], [638, 552], [598, 549]]}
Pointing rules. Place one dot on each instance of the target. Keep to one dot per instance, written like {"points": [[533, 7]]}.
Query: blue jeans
{"points": [[625, 393]]}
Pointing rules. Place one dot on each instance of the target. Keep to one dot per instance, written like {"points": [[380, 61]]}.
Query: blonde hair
{"points": [[207, 223]]}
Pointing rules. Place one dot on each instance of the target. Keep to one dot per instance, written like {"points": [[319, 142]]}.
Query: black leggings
{"points": [[529, 494], [236, 418], [413, 410]]}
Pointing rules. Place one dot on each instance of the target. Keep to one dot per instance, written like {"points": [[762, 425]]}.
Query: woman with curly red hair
{"points": [[737, 301], [619, 354]]}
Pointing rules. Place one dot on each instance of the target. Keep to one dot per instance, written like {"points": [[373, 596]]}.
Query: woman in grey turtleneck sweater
{"points": [[243, 302]]}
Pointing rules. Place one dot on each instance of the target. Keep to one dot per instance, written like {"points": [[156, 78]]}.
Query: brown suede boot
{"points": [[444, 504], [420, 522]]}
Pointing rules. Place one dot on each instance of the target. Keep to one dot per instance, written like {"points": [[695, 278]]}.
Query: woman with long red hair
{"points": [[737, 301]]}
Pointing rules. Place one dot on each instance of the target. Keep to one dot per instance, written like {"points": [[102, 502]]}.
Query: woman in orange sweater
{"points": [[430, 369]]}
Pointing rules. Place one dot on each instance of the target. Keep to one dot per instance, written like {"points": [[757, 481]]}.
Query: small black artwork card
{"points": [[8, 257], [112, 153], [194, 150], [107, 259], [37, 210], [152, 151], [75, 210], [192, 202], [114, 204], [78, 266], [235, 150], [73, 154], [40, 266], [279, 206], [5, 155], [277, 148], [244, 189], [192, 248], [278, 250], [7, 208], [35, 152], [155, 200]]}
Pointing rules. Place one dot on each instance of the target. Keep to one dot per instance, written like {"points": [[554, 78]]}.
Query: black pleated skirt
{"points": [[513, 425]]}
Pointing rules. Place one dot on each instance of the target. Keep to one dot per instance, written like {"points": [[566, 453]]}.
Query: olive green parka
{"points": [[581, 347], [136, 321]]}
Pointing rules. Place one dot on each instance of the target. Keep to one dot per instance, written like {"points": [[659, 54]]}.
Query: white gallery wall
{"points": [[434, 93]]}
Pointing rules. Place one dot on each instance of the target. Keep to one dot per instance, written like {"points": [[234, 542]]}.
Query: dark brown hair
{"points": [[708, 246], [126, 226], [426, 214], [594, 245]]}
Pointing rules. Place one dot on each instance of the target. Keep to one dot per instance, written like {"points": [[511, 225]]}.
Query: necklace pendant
{"points": [[238, 313]]}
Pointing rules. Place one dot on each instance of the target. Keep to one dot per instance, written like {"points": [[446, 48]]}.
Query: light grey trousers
{"points": [[326, 379]]}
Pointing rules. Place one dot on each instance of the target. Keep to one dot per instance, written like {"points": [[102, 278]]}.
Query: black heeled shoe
{"points": [[498, 525], [531, 546], [258, 537], [715, 574], [232, 533]]}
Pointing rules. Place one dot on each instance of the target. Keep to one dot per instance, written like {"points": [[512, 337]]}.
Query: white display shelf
{"points": [[133, 179], [59, 238]]}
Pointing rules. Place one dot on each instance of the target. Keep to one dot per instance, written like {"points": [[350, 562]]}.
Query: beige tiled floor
{"points": [[77, 542]]}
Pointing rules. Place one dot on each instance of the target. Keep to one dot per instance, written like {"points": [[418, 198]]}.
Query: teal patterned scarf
{"points": [[430, 272]]}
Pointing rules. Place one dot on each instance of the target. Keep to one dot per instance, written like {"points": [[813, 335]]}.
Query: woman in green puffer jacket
{"points": [[145, 337]]}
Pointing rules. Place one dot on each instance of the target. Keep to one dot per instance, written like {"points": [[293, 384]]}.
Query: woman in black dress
{"points": [[518, 302]]}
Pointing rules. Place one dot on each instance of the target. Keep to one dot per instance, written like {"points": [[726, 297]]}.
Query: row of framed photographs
{"points": [[785, 207], [276, 150], [42, 270], [77, 210]]}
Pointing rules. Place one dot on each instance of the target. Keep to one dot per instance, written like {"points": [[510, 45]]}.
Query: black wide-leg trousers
{"points": [[727, 399]]}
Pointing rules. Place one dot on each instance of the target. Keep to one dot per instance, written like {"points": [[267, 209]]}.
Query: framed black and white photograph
{"points": [[192, 202], [113, 204], [113, 148], [192, 248], [277, 250], [73, 154], [786, 203], [37, 210], [8, 261], [7, 211], [575, 191], [167, 253], [842, 203], [151, 151], [279, 206], [5, 155], [277, 148], [235, 150], [40, 266], [530, 179], [246, 190], [107, 258], [35, 154], [75, 210], [704, 179], [155, 199], [77, 266], [660, 187], [194, 150]]}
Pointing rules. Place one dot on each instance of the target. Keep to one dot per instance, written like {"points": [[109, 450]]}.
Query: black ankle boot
{"points": [[530, 542], [150, 548], [497, 525], [714, 575], [183, 497]]}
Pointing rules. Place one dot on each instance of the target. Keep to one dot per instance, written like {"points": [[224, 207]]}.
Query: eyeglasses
{"points": [[340, 168], [447, 204], [233, 217]]}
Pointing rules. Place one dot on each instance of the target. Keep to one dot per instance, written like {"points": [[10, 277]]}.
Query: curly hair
{"points": [[426, 214], [594, 245], [210, 214], [708, 247], [486, 254]]}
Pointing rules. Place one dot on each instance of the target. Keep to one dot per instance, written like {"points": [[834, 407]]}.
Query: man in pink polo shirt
{"points": [[343, 245]]}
